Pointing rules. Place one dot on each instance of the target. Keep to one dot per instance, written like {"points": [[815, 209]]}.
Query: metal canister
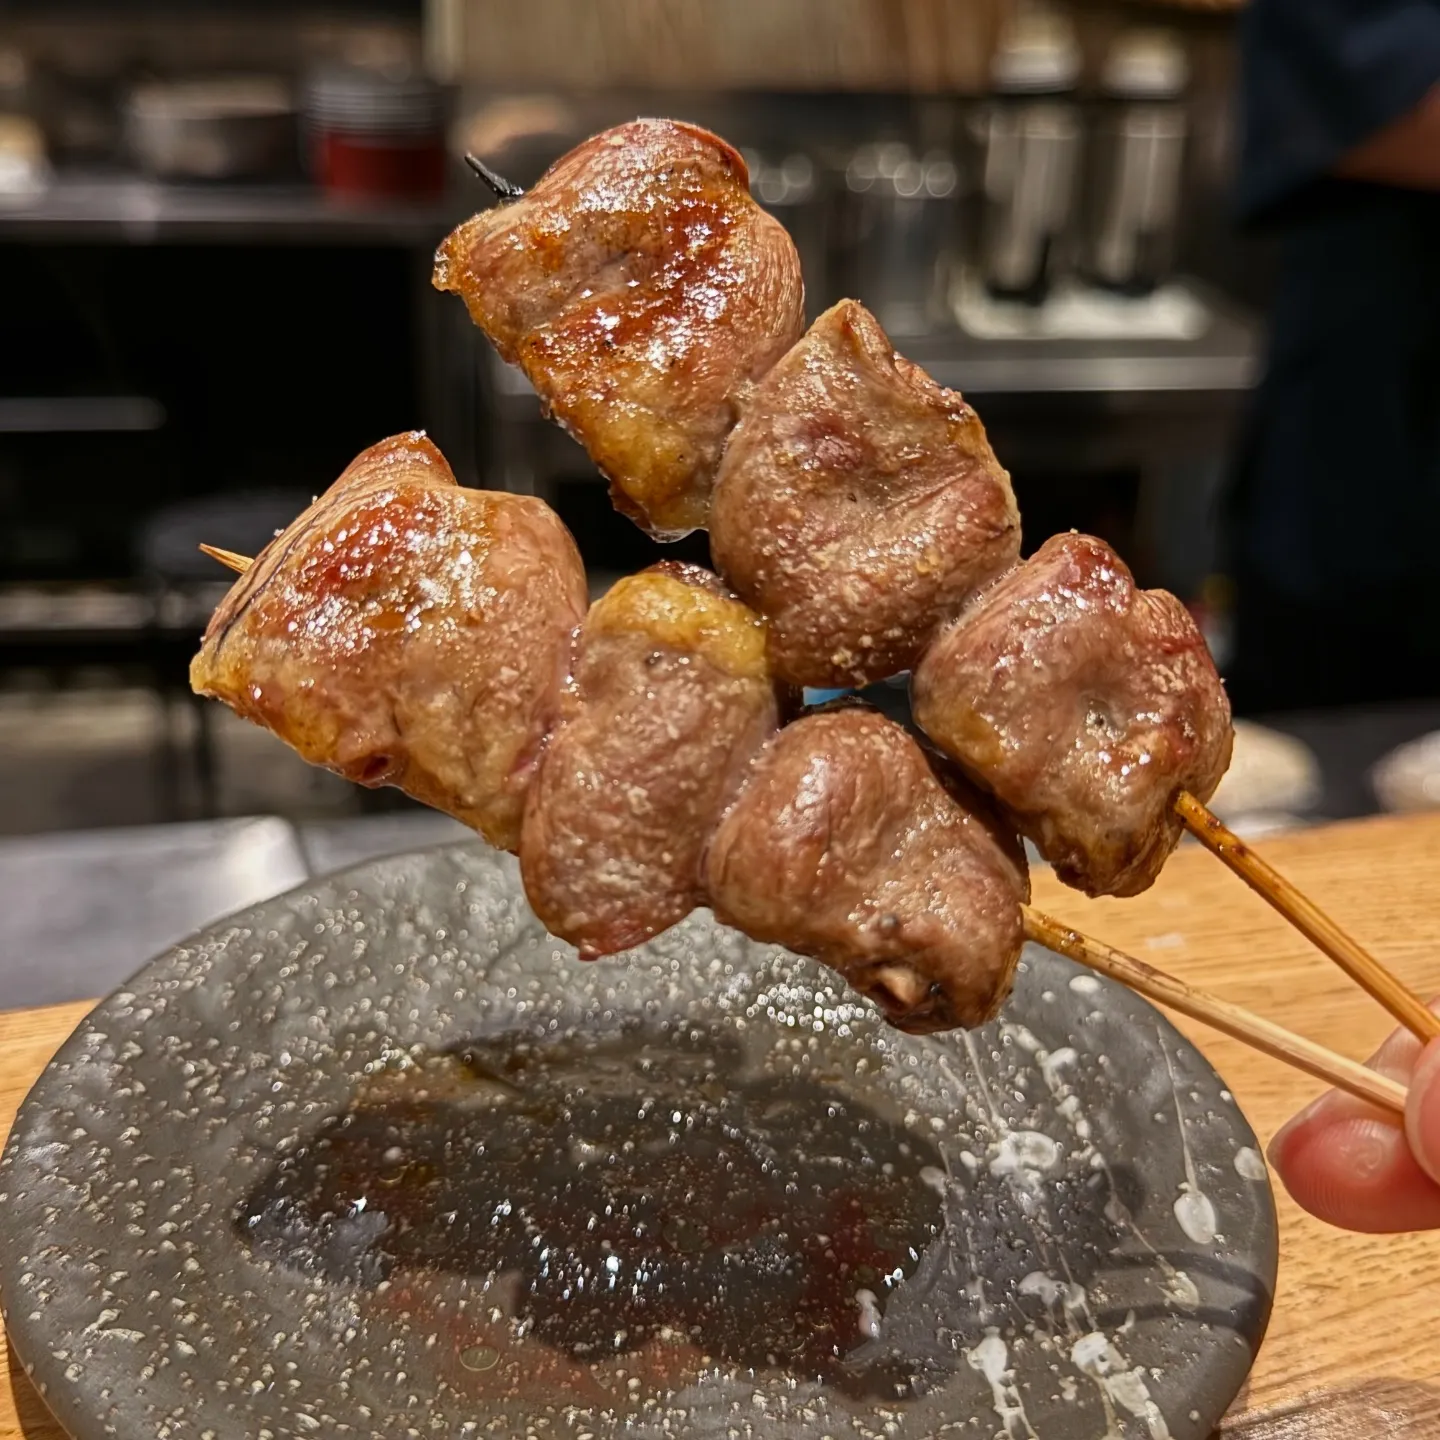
{"points": [[1030, 134], [1133, 184]]}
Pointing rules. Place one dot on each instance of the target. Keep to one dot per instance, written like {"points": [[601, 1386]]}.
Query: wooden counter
{"points": [[1352, 1350]]}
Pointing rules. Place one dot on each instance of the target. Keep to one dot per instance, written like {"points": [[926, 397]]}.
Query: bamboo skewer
{"points": [[1307, 917], [238, 563], [1265, 1036], [1270, 1039]]}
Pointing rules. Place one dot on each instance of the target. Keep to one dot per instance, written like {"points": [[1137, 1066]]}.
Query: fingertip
{"points": [[1422, 1111], [1354, 1169]]}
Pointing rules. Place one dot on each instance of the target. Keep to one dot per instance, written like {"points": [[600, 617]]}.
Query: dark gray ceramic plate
{"points": [[380, 1158]]}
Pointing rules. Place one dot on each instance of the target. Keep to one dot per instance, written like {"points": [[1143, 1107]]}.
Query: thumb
{"points": [[1422, 1111]]}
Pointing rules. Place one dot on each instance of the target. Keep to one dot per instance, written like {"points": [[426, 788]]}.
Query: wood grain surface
{"points": [[936, 46], [1352, 1351]]}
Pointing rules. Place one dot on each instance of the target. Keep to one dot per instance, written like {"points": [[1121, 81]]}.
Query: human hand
{"points": [[1357, 1168]]}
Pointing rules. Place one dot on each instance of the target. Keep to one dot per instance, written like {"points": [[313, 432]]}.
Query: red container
{"points": [[380, 166]]}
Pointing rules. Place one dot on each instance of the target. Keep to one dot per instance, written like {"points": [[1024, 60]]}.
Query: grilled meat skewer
{"points": [[670, 701], [643, 292], [405, 631], [858, 506], [859, 509], [846, 845], [1084, 705]]}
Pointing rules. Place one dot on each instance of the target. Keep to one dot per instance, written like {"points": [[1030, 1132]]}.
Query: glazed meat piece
{"points": [[1084, 704], [642, 291], [845, 845], [405, 631], [670, 700], [858, 505]]}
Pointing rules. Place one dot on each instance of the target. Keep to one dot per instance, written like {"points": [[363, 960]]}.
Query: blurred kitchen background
{"points": [[216, 223]]}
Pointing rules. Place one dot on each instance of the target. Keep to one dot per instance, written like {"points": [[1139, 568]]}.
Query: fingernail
{"points": [[1422, 1113]]}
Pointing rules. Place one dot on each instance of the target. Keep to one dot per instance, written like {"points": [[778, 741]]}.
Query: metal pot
{"points": [[240, 126]]}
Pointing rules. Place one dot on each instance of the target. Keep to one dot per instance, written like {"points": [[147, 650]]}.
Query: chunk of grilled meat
{"points": [[405, 631], [1084, 705], [845, 845], [671, 699], [858, 506], [642, 291]]}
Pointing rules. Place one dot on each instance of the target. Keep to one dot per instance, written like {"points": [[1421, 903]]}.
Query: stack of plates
{"points": [[357, 101], [1273, 782], [1408, 778]]}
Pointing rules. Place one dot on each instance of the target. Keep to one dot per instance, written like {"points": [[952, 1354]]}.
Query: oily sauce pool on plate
{"points": [[626, 1208]]}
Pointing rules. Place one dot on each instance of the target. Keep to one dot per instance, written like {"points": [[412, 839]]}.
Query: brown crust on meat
{"points": [[859, 505], [670, 702], [845, 845], [405, 631], [1083, 704], [642, 291]]}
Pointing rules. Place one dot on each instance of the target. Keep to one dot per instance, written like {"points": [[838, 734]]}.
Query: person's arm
{"points": [[1405, 153], [1339, 88]]}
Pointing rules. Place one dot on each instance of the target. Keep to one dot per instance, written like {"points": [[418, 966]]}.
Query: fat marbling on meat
{"points": [[670, 700], [405, 631], [858, 506], [642, 291], [845, 845], [1084, 704]]}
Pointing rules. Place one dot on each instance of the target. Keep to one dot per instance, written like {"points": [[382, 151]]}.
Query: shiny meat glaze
{"points": [[641, 290], [845, 845], [1084, 705], [405, 631], [670, 701], [858, 505]]}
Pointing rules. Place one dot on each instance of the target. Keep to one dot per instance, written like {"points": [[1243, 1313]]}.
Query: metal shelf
{"points": [[74, 414], [133, 210]]}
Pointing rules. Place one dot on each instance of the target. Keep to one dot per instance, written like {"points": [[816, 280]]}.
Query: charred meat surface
{"points": [[858, 506], [1084, 705], [405, 631], [845, 845], [642, 291], [670, 700]]}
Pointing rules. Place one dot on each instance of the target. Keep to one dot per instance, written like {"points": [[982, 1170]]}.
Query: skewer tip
{"points": [[1308, 918], [228, 558], [504, 189]]}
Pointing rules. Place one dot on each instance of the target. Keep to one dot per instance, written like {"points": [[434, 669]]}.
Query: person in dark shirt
{"points": [[1334, 515], [1333, 520]]}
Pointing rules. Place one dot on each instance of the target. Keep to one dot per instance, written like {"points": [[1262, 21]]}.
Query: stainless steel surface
{"points": [[46, 609], [1096, 373], [79, 911], [331, 845], [359, 100], [136, 211]]}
